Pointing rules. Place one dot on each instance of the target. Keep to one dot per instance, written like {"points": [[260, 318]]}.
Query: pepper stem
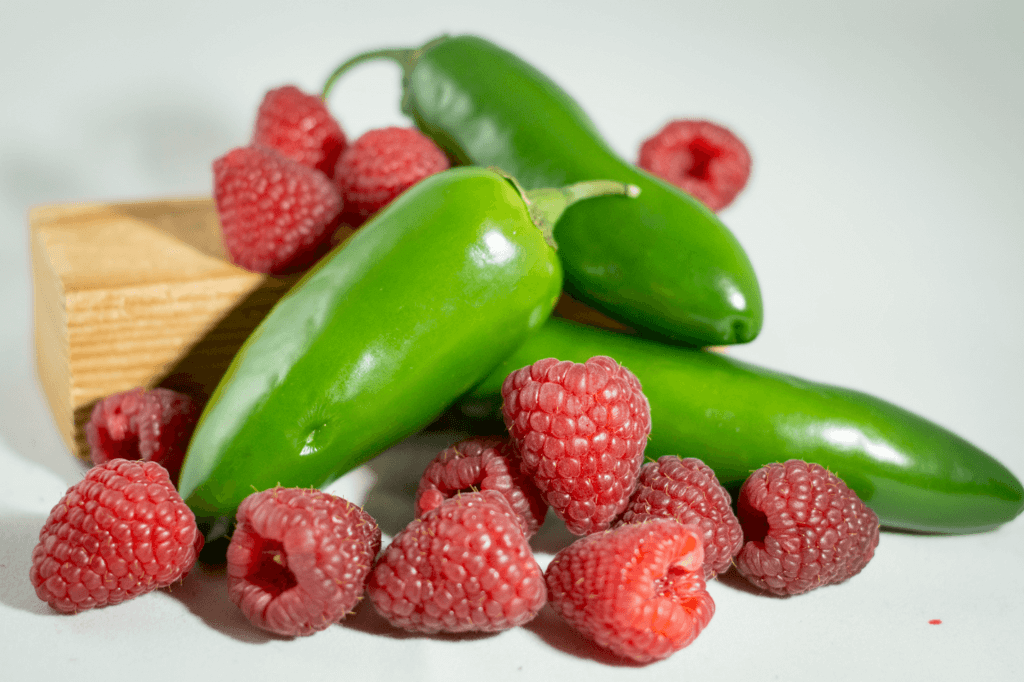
{"points": [[406, 57], [547, 204]]}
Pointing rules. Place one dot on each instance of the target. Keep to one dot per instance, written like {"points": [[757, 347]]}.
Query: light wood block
{"points": [[142, 294], [136, 294]]}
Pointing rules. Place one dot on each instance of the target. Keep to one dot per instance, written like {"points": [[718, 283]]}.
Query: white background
{"points": [[883, 218]]}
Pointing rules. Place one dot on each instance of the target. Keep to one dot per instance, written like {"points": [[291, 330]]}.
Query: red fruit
{"points": [[637, 590], [382, 164], [581, 430], [479, 464], [701, 158], [299, 559], [804, 528], [118, 533], [300, 127], [465, 566], [688, 491], [154, 425], [276, 215]]}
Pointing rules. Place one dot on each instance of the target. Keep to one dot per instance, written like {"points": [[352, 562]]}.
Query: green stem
{"points": [[547, 204], [405, 57]]}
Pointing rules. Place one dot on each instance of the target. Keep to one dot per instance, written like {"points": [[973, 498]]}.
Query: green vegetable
{"points": [[664, 264], [737, 417], [381, 336]]}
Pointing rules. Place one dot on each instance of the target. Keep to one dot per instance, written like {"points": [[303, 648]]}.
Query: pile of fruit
{"points": [[651, 534], [461, 235]]}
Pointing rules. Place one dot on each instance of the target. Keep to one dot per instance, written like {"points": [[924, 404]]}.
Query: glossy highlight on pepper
{"points": [[664, 265], [737, 417], [380, 337]]}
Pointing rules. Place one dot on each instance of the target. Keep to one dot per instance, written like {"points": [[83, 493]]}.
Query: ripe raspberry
{"points": [[154, 425], [581, 430], [482, 463], [382, 164], [299, 559], [688, 491], [118, 533], [465, 566], [637, 590], [276, 215], [804, 528], [300, 127], [701, 158]]}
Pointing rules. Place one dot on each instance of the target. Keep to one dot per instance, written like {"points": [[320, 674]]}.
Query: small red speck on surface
{"points": [[935, 621]]}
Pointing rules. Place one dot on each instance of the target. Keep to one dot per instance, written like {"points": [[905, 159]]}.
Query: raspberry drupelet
{"points": [[700, 157], [804, 528], [299, 559], [120, 532], [380, 165], [688, 490], [300, 127], [637, 589], [581, 430], [276, 215], [464, 566], [152, 425], [476, 464]]}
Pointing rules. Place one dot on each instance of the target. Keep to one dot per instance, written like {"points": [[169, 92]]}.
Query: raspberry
{"points": [[804, 528], [465, 566], [581, 430], [382, 164], [637, 589], [688, 491], [154, 425], [484, 463], [299, 559], [701, 158], [276, 215], [120, 532], [300, 127]]}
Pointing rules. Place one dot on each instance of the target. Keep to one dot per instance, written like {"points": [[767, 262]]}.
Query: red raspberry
{"points": [[154, 425], [701, 158], [804, 528], [118, 533], [300, 127], [581, 430], [382, 164], [637, 590], [276, 215], [299, 558], [688, 491], [483, 463], [465, 566]]}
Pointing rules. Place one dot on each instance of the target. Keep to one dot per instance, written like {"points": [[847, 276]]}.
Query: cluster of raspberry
{"points": [[651, 534], [282, 198]]}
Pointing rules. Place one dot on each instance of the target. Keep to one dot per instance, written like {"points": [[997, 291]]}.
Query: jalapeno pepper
{"points": [[664, 264], [381, 336], [737, 417]]}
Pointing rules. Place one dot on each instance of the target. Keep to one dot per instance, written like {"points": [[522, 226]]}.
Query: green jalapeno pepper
{"points": [[381, 336], [737, 417], [664, 264]]}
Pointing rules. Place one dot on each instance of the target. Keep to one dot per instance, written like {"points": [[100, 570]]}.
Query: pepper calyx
{"points": [[547, 204]]}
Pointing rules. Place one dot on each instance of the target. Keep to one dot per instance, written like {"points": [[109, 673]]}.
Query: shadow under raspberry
{"points": [[20, 535]]}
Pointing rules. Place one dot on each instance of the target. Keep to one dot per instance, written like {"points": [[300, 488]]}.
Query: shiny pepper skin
{"points": [[664, 265], [381, 336], [737, 417]]}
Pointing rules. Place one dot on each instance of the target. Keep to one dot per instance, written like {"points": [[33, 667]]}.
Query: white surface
{"points": [[883, 217]]}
